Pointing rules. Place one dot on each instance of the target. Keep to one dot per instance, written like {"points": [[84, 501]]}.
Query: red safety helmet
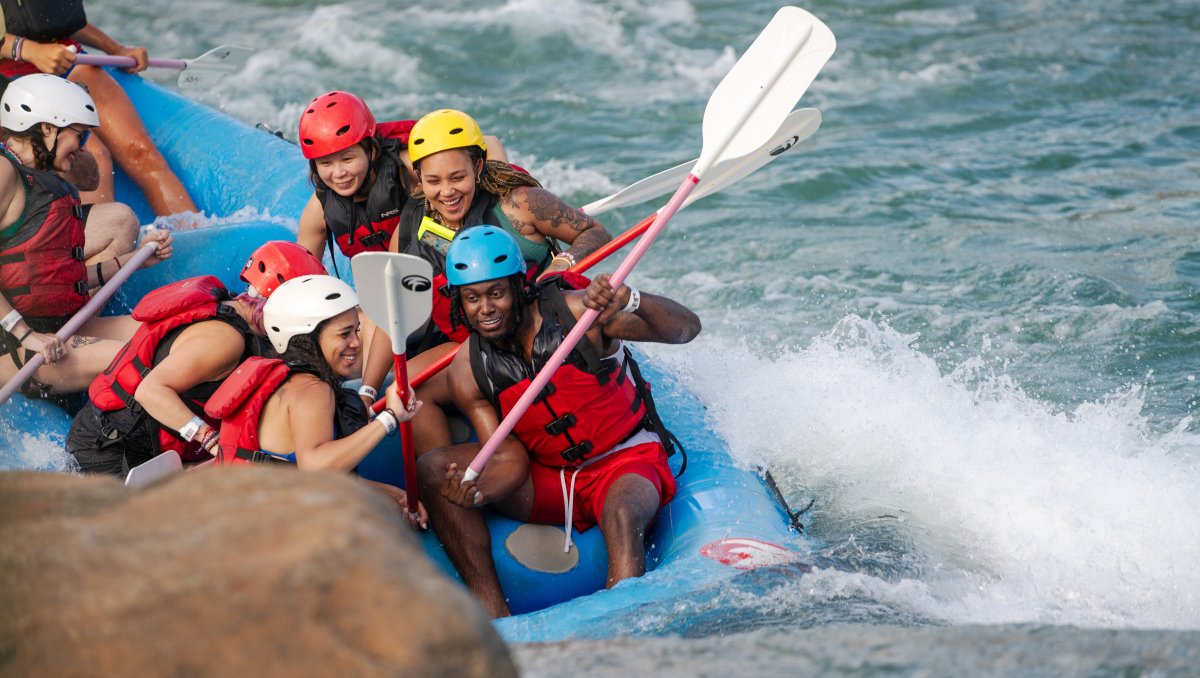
{"points": [[275, 263], [332, 122]]}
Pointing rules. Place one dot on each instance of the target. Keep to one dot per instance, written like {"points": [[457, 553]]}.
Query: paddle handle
{"points": [[97, 302], [128, 62], [407, 450], [581, 327]]}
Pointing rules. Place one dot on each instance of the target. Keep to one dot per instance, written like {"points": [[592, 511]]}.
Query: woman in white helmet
{"points": [[294, 409], [33, 108], [44, 278]]}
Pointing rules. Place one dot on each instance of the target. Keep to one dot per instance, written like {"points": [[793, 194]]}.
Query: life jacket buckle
{"points": [[77, 252], [561, 424], [576, 452], [376, 238], [252, 456], [81, 287], [546, 392]]}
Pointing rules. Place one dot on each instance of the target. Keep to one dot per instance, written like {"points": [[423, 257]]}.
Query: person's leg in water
{"points": [[122, 132]]}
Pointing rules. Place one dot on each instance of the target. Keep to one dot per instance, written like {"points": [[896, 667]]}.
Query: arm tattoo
{"points": [[545, 206], [77, 341]]}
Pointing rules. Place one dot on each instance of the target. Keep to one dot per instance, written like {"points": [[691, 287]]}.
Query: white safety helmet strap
{"points": [[42, 97], [297, 306]]}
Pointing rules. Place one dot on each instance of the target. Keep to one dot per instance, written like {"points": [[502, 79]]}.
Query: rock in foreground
{"points": [[226, 571]]}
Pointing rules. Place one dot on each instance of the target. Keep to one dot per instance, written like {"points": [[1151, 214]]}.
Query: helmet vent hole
{"points": [[308, 142], [460, 266], [90, 107], [280, 276], [500, 259], [26, 108], [331, 104], [311, 110], [274, 329], [342, 130], [331, 297], [456, 130]]}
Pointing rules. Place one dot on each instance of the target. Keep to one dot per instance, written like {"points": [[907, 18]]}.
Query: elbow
{"points": [[687, 329]]}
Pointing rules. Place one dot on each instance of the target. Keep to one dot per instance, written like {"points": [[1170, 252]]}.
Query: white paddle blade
{"points": [[395, 291], [799, 125], [165, 464], [647, 189], [764, 85], [207, 69]]}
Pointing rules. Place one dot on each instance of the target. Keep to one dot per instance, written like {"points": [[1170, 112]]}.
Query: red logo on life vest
{"points": [[747, 554]]}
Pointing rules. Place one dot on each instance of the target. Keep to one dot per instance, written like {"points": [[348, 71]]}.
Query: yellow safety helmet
{"points": [[442, 130]]}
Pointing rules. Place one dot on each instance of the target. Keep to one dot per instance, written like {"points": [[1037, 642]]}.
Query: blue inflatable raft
{"points": [[723, 521]]}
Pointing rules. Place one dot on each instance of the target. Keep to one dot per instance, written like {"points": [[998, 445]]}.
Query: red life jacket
{"points": [[590, 404], [240, 400], [368, 226], [42, 273], [238, 404], [163, 314]]}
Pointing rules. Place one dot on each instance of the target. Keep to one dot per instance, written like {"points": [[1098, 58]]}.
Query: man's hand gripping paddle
{"points": [[799, 125], [743, 112], [200, 73], [394, 291]]}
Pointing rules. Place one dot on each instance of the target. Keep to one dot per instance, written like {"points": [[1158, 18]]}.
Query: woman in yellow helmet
{"points": [[463, 188]]}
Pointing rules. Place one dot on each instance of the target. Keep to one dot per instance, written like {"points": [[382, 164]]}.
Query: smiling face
{"points": [[345, 171], [340, 344], [448, 181], [488, 307]]}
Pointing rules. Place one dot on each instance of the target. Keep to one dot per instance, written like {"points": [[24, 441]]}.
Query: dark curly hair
{"points": [[43, 158], [304, 352]]}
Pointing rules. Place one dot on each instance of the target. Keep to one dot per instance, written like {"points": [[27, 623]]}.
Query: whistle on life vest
{"points": [[435, 235]]}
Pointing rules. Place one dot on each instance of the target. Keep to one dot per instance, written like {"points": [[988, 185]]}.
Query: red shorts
{"points": [[592, 483]]}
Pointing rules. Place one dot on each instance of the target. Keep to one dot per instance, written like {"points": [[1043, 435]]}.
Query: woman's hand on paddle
{"points": [[51, 57], [164, 249], [50, 346], [601, 297], [417, 521], [459, 491], [403, 411]]}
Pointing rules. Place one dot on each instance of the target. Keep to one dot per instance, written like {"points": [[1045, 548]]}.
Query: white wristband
{"points": [[369, 392], [191, 428], [635, 300], [10, 321], [388, 420]]}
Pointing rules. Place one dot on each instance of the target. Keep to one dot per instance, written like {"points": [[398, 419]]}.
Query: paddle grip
{"points": [[576, 333], [128, 61], [407, 450], [81, 316]]}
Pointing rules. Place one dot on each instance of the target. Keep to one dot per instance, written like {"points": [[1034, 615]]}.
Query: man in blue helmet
{"points": [[590, 452]]}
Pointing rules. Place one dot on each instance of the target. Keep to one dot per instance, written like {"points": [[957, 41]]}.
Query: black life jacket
{"points": [[43, 20]]}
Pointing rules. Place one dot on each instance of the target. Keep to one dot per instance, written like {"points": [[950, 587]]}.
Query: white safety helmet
{"points": [[300, 304], [46, 98]]}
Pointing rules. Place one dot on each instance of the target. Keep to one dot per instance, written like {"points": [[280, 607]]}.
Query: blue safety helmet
{"points": [[480, 253]]}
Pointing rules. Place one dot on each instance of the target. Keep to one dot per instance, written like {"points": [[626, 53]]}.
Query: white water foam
{"points": [[1016, 510]]}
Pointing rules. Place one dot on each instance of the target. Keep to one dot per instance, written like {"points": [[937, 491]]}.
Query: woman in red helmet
{"points": [[151, 397], [360, 172]]}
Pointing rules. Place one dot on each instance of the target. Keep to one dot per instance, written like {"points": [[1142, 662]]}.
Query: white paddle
{"points": [[202, 72], [743, 113], [798, 126], [394, 291], [156, 469]]}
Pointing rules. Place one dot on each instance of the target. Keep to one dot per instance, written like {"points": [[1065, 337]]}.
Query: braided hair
{"points": [[43, 157]]}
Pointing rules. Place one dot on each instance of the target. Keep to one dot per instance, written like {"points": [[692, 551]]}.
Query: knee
{"points": [[623, 520], [431, 466]]}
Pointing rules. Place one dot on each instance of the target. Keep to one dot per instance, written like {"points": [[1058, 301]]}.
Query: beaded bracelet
{"points": [[16, 49]]}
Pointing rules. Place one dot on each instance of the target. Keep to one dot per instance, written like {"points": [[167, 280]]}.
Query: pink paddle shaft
{"points": [[406, 436], [81, 316], [128, 62], [581, 328]]}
